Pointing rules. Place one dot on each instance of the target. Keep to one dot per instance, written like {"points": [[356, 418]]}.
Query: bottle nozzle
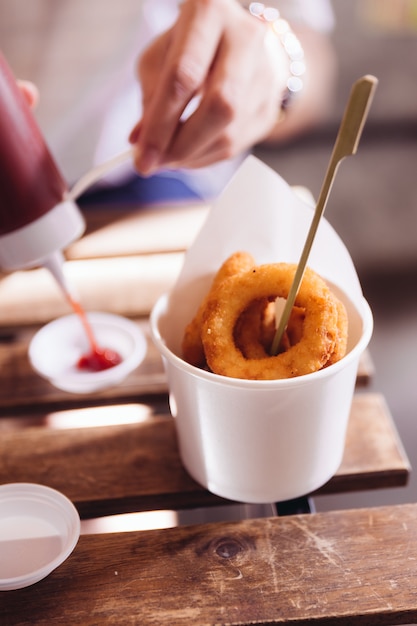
{"points": [[55, 264]]}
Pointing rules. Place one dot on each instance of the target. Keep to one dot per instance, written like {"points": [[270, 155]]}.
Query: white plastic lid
{"points": [[39, 528]]}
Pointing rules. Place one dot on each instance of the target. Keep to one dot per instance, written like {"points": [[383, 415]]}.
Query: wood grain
{"points": [[132, 255], [116, 452], [136, 466], [340, 568], [21, 387], [115, 233], [124, 285]]}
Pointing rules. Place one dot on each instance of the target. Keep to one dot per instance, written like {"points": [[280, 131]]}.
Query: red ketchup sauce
{"points": [[98, 358]]}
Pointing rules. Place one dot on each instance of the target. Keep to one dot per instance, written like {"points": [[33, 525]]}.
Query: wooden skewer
{"points": [[97, 172], [346, 143]]}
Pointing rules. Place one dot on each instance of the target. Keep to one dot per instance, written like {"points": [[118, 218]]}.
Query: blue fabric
{"points": [[139, 191]]}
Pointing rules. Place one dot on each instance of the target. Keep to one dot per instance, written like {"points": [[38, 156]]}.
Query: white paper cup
{"points": [[261, 441]]}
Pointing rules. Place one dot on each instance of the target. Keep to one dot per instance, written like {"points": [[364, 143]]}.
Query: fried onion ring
{"points": [[255, 329], [232, 296], [192, 346], [342, 333]]}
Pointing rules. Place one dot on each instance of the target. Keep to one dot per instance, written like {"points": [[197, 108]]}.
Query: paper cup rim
{"points": [[306, 379]]}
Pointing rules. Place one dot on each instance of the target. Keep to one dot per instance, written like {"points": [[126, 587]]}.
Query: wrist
{"points": [[290, 44]]}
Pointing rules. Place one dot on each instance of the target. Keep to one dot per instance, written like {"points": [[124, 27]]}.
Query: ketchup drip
{"points": [[98, 359]]}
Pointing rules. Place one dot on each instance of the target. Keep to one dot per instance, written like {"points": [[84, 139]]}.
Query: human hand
{"points": [[29, 91], [235, 69]]}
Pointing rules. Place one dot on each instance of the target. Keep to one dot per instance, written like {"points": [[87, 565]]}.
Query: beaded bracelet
{"points": [[291, 45]]}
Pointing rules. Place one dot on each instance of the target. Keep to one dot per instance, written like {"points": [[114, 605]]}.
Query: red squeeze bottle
{"points": [[36, 221]]}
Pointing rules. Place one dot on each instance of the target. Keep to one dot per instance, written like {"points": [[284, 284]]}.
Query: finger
{"points": [[217, 111], [220, 116], [217, 150], [210, 157], [134, 133], [193, 46], [29, 91], [149, 65]]}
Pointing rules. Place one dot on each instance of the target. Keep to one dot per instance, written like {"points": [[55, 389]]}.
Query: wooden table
{"points": [[115, 452]]}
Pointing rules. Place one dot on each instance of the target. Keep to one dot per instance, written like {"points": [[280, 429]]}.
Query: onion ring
{"points": [[192, 346], [255, 329], [231, 297], [342, 333]]}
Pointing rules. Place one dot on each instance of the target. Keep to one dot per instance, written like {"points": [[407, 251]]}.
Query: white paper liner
{"points": [[260, 213]]}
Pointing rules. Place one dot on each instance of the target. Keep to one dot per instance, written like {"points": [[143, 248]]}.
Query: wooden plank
{"points": [[124, 285], [341, 568], [114, 233], [133, 256], [366, 369], [136, 466], [374, 455], [21, 387]]}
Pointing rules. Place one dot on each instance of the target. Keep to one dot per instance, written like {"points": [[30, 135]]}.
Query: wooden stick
{"points": [[347, 141]]}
